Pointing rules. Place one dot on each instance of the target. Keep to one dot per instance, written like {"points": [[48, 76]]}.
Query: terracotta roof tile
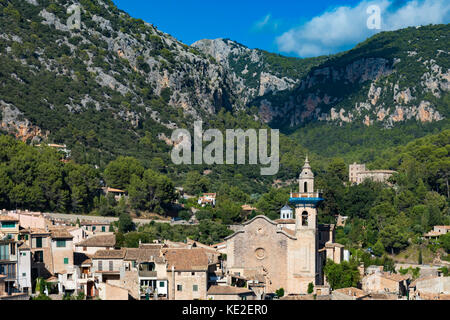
{"points": [[101, 240], [394, 276], [110, 254], [186, 259], [143, 255], [60, 233], [7, 218]]}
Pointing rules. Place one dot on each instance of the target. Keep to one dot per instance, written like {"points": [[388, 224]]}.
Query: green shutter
{"points": [[66, 260]]}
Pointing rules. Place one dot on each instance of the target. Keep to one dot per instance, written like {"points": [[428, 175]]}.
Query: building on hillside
{"points": [[437, 232], [60, 147], [93, 227], [358, 173], [288, 253], [248, 209], [97, 242], [118, 194], [207, 199]]}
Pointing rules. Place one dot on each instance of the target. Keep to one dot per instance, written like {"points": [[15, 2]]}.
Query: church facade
{"points": [[290, 252]]}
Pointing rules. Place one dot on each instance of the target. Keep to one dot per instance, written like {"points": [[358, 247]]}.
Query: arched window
{"points": [[304, 218], [305, 186]]}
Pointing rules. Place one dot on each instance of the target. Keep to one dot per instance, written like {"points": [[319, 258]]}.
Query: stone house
{"points": [[24, 267], [7, 295], [9, 263], [94, 243], [437, 232], [430, 288], [207, 199], [145, 270], [386, 283], [95, 226], [62, 250], [358, 173], [107, 265], [9, 227], [39, 242], [187, 273]]}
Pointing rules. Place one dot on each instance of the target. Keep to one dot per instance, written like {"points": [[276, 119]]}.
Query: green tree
{"points": [[118, 172], [126, 224], [280, 292], [341, 275], [378, 248]]}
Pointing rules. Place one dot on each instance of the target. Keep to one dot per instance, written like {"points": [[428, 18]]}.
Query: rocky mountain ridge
{"points": [[135, 79]]}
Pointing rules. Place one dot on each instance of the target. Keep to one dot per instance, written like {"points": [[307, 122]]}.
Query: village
{"points": [[56, 258]]}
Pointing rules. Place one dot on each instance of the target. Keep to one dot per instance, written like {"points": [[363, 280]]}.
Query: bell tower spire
{"points": [[306, 178]]}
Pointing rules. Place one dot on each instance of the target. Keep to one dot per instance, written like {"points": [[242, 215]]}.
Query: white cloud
{"points": [[343, 27], [267, 22]]}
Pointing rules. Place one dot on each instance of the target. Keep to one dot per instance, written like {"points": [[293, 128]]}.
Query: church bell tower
{"points": [[306, 200], [305, 259]]}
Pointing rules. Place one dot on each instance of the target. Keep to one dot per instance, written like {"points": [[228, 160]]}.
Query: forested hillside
{"points": [[114, 91]]}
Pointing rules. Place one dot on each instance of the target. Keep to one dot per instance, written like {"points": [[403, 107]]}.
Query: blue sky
{"points": [[290, 27]]}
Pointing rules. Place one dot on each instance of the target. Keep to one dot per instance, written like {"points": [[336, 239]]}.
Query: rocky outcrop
{"points": [[13, 122], [238, 60]]}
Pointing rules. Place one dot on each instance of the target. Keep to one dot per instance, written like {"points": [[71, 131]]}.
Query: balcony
{"points": [[312, 198], [10, 276], [147, 274]]}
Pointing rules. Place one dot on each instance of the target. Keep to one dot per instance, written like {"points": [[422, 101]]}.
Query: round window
{"points": [[260, 253]]}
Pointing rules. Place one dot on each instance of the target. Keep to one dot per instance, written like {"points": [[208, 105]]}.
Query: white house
{"points": [[24, 268]]}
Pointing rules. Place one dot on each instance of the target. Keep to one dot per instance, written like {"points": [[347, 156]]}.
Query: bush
{"points": [[280, 292]]}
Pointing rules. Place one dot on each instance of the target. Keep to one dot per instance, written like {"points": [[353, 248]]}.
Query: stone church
{"points": [[287, 253]]}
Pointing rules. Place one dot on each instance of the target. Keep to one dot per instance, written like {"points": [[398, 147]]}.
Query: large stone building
{"points": [[358, 173], [290, 252]]}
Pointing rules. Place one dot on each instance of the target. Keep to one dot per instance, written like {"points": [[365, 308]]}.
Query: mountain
{"points": [[119, 86], [256, 72], [390, 78]]}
